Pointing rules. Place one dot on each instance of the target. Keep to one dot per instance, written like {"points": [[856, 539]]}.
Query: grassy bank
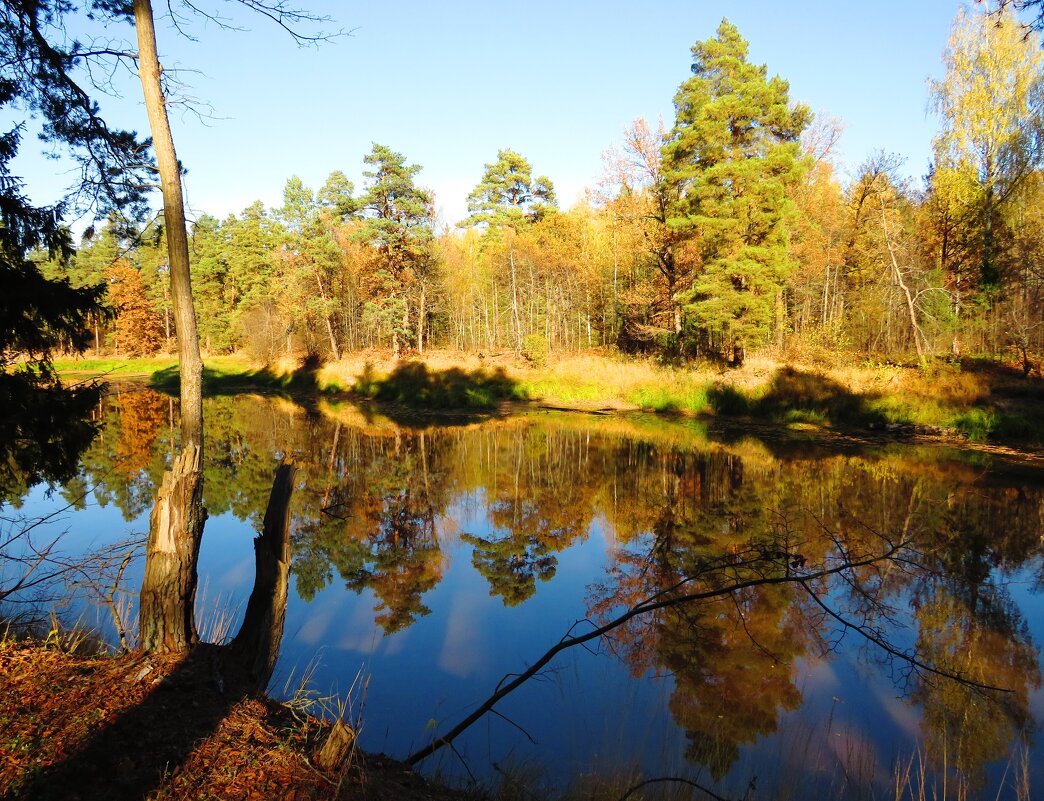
{"points": [[981, 400]]}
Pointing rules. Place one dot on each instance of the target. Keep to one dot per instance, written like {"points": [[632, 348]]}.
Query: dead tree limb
{"points": [[662, 601]]}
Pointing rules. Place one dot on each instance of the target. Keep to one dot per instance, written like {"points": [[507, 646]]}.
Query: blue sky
{"points": [[448, 84]]}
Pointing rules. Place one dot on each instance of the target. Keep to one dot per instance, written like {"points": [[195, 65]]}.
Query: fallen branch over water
{"points": [[669, 597]]}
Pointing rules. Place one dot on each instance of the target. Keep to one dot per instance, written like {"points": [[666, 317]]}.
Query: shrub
{"points": [[535, 348]]}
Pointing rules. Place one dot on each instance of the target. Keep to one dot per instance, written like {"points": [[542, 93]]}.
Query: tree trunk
{"points": [[515, 319], [420, 323], [336, 351], [911, 308], [168, 591]]}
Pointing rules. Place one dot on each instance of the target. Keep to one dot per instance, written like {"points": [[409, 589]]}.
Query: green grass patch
{"points": [[656, 399], [115, 366], [976, 424], [551, 388], [692, 398]]}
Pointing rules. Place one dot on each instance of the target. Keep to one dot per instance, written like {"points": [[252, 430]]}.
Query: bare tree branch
{"points": [[662, 600]]}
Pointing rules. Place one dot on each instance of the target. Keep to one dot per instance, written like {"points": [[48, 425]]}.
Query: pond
{"points": [[434, 557]]}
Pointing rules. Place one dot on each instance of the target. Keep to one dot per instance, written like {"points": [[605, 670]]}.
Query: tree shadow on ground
{"points": [[413, 384], [1004, 379], [796, 396], [216, 382], [129, 757], [1012, 408]]}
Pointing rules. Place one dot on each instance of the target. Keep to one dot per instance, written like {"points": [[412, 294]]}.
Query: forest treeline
{"points": [[729, 230]]}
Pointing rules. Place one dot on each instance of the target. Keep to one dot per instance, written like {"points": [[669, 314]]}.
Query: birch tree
{"points": [[991, 104]]}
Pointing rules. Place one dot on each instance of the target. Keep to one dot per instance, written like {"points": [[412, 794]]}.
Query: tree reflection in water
{"points": [[378, 506]]}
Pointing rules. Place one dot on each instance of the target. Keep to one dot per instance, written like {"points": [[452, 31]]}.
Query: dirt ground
{"points": [[146, 727]]}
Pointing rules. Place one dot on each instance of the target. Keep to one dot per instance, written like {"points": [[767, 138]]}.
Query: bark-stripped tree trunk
{"points": [[168, 591], [420, 321]]}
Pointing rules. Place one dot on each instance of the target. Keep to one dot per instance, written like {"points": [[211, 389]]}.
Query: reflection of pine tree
{"points": [[405, 560], [732, 659], [733, 667], [322, 548], [511, 565], [541, 486], [377, 527]]}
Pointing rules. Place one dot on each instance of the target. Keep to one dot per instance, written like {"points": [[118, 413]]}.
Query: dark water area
{"points": [[432, 558]]}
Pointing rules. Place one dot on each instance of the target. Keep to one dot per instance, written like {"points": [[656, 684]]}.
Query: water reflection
{"points": [[382, 508]]}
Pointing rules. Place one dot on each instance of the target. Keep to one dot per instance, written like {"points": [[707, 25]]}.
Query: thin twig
{"points": [[674, 779]]}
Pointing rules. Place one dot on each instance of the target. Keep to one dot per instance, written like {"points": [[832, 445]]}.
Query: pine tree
{"points": [[398, 218], [257, 318], [210, 283], [732, 155], [43, 426], [507, 200], [508, 194]]}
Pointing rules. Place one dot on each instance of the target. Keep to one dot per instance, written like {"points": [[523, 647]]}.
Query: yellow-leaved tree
{"points": [[991, 102]]}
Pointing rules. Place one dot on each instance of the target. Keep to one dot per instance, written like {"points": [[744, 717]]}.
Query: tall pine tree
{"points": [[506, 200], [732, 155], [397, 222]]}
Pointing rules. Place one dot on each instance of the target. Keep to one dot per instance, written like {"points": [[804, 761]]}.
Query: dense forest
{"points": [[729, 230]]}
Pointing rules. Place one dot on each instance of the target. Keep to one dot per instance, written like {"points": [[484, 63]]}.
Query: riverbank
{"points": [[978, 400], [134, 726]]}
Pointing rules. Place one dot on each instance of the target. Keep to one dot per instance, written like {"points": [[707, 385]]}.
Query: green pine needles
{"points": [[731, 158]]}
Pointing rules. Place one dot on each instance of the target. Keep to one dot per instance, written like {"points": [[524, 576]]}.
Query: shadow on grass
{"points": [[796, 396], [413, 384], [218, 382], [410, 384], [1011, 410], [1014, 410]]}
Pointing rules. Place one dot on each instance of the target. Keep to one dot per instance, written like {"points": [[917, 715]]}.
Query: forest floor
{"points": [[80, 727], [981, 400]]}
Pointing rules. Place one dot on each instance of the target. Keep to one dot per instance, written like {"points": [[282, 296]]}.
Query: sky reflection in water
{"points": [[437, 559]]}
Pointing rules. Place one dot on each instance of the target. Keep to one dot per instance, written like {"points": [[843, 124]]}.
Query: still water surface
{"points": [[432, 559]]}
